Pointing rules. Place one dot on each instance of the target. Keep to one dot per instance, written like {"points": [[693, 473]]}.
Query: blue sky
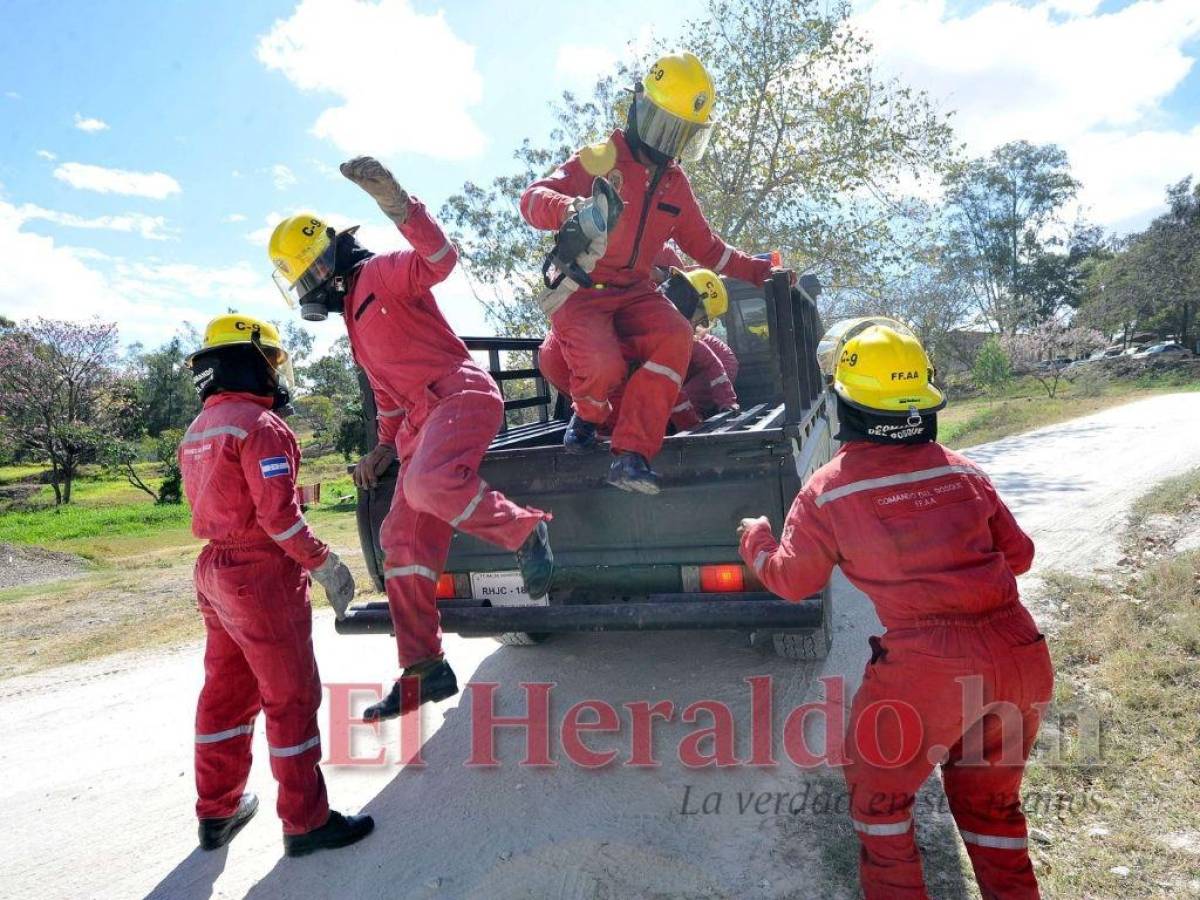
{"points": [[147, 146]]}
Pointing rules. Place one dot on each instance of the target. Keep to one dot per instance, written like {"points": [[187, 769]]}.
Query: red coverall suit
{"points": [[923, 533], [239, 463], [441, 411], [593, 322], [708, 386], [710, 377]]}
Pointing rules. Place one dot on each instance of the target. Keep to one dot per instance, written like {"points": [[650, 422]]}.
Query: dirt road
{"points": [[96, 758]]}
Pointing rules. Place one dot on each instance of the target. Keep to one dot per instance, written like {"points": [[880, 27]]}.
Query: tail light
{"points": [[723, 579], [445, 587]]}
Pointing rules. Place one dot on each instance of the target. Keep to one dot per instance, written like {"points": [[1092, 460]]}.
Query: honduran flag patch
{"points": [[274, 466]]}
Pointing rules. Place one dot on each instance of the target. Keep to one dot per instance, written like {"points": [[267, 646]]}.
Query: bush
{"points": [[993, 367]]}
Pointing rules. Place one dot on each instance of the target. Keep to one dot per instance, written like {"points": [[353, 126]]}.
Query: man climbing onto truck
{"points": [[609, 297], [437, 412]]}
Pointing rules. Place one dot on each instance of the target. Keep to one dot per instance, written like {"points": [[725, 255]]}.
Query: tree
{"points": [[809, 155], [166, 396], [58, 397], [1170, 255], [1041, 348], [1005, 221], [123, 456], [993, 368], [333, 375]]}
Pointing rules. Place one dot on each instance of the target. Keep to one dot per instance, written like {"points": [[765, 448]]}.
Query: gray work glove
{"points": [[334, 575], [373, 177]]}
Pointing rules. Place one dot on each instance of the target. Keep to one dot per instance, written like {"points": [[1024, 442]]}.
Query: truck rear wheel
{"points": [[522, 638], [806, 644]]}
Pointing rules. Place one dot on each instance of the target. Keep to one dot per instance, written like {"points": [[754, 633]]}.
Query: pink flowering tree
{"points": [[58, 397], [1046, 348]]}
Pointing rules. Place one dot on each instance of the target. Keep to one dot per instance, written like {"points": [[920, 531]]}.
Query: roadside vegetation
{"points": [[1127, 648], [1021, 403]]}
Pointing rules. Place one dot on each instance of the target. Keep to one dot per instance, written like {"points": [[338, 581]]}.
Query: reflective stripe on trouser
{"points": [[983, 758], [258, 656], [440, 490], [592, 328]]}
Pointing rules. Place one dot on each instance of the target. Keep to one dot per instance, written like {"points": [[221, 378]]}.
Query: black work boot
{"points": [[216, 833], [428, 682], [631, 472], [339, 831], [535, 559], [580, 436]]}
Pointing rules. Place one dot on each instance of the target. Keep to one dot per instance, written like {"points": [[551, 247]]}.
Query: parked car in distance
{"points": [[1166, 347]]}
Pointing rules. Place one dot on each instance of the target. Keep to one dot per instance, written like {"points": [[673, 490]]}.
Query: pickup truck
{"points": [[626, 561]]}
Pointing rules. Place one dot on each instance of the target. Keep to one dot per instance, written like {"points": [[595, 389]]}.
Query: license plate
{"points": [[502, 589]]}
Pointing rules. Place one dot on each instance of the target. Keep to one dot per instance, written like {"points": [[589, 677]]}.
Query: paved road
{"points": [[96, 758]]}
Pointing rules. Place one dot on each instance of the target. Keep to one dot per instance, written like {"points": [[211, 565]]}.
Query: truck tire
{"points": [[522, 638], [808, 644]]}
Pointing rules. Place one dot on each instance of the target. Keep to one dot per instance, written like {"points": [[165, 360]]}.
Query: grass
{"points": [[1024, 406], [67, 525], [1171, 497], [1128, 650]]}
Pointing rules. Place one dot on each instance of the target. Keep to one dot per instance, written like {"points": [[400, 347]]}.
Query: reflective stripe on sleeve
{"points": [[291, 532], [192, 437], [658, 369], [389, 413], [994, 840], [686, 404], [593, 401], [470, 507], [403, 571], [225, 735], [724, 260], [760, 560], [314, 741], [890, 480], [437, 257], [882, 829], [721, 379]]}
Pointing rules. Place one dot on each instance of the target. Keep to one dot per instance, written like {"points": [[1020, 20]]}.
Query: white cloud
{"points": [[235, 217], [1057, 72], [582, 64], [150, 227], [381, 59], [12, 95], [91, 126], [155, 185], [282, 177], [46, 154]]}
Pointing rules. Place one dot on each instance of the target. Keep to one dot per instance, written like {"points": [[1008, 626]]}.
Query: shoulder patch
{"points": [[274, 466], [599, 159]]}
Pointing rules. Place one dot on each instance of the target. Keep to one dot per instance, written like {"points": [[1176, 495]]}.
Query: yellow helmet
{"points": [[882, 368], [672, 108], [303, 252], [234, 328], [713, 295]]}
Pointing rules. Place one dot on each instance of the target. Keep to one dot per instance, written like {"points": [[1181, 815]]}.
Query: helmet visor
{"points": [[668, 133], [281, 362], [310, 279]]}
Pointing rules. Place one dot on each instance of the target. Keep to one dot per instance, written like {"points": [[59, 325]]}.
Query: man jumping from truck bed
{"points": [[436, 408], [669, 121]]}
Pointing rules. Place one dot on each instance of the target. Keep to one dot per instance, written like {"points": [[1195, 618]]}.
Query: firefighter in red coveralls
{"points": [[240, 463], [437, 411], [922, 531], [610, 298]]}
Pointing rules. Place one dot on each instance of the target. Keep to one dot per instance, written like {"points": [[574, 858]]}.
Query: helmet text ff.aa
{"points": [[879, 366]]}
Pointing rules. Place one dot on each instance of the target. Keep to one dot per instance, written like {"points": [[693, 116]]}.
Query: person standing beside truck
{"points": [[669, 121], [437, 411], [240, 463], [923, 533]]}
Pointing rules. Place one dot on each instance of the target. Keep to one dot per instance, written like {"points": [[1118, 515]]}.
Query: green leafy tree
{"points": [[808, 157], [993, 367], [165, 394], [1005, 219]]}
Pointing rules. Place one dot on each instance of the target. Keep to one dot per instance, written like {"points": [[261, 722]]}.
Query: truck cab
{"points": [[626, 561]]}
